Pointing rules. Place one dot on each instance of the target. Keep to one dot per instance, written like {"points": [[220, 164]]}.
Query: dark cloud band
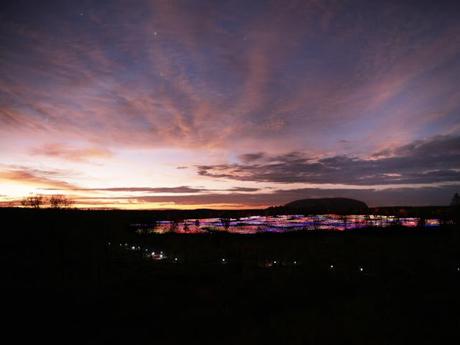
{"points": [[422, 162]]}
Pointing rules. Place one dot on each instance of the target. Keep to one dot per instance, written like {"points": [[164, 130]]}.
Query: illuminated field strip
{"points": [[285, 223]]}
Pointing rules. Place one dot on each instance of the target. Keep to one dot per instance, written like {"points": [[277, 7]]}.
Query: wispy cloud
{"points": [[267, 76], [71, 153], [35, 177], [168, 190]]}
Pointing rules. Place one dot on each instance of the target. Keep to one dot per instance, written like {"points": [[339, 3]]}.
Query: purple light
{"points": [[288, 223]]}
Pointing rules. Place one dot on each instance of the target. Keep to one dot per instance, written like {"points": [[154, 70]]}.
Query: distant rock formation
{"points": [[455, 200], [327, 205]]}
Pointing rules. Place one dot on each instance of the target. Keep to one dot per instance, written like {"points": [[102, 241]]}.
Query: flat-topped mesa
{"points": [[328, 205]]}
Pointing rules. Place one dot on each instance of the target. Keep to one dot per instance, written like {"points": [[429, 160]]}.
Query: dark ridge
{"points": [[327, 205]]}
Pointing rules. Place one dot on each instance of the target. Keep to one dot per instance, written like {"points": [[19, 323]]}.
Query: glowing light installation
{"points": [[285, 223]]}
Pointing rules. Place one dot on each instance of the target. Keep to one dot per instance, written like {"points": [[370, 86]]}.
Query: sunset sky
{"points": [[229, 104]]}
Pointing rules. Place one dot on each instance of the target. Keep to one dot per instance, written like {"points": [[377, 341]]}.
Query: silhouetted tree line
{"points": [[52, 201]]}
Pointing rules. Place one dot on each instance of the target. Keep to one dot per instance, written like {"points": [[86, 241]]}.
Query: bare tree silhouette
{"points": [[34, 201], [60, 201], [54, 201]]}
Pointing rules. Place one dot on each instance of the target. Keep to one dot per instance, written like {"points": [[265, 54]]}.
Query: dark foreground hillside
{"points": [[72, 277]]}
